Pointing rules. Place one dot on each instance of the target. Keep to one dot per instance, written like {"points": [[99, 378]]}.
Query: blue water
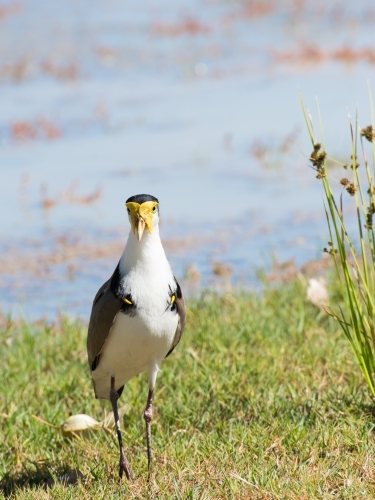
{"points": [[174, 99]]}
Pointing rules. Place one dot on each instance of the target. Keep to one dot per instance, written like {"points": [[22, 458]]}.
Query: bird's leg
{"points": [[124, 465], [148, 417]]}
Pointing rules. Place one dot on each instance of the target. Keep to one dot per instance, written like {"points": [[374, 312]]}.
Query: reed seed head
{"points": [[321, 173], [368, 224], [317, 157], [368, 133], [351, 188], [354, 163], [331, 250]]}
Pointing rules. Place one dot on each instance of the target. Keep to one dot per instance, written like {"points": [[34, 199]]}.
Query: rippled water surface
{"points": [[195, 102]]}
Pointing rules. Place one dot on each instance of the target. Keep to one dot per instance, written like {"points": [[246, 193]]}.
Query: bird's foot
{"points": [[124, 467], [149, 475]]}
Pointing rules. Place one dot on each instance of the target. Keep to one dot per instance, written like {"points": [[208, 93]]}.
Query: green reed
{"points": [[353, 251]]}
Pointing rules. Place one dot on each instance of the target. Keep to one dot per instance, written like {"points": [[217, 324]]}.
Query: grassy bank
{"points": [[262, 399]]}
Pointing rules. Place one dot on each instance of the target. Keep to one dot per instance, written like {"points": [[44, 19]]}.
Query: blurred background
{"points": [[195, 102]]}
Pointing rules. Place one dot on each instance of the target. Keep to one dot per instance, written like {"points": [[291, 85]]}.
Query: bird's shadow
{"points": [[36, 475]]}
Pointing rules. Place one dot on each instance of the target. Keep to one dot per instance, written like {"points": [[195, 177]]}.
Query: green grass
{"points": [[262, 399]]}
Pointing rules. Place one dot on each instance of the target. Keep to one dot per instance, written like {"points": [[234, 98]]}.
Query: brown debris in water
{"points": [[45, 200], [191, 273], [70, 195], [188, 26], [31, 130], [269, 153], [73, 253], [287, 271], [254, 8], [67, 72], [312, 54], [11, 9], [221, 270]]}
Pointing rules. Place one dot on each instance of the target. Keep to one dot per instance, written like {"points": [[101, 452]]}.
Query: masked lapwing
{"points": [[137, 316]]}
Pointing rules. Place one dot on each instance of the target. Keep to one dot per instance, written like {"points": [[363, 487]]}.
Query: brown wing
{"points": [[181, 311], [104, 309]]}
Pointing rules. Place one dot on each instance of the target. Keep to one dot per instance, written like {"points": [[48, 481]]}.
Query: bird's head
{"points": [[143, 212]]}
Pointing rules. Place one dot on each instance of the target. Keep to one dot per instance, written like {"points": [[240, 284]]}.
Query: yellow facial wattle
{"points": [[141, 216]]}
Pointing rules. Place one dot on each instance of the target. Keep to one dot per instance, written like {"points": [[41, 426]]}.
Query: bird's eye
{"points": [[128, 211], [154, 209]]}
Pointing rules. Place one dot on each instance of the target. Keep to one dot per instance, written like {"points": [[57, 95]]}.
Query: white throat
{"points": [[147, 253], [145, 272]]}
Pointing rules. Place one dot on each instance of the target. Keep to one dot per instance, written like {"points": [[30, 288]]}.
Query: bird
{"points": [[137, 317]]}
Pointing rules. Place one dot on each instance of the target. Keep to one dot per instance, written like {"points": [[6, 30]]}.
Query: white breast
{"points": [[139, 343]]}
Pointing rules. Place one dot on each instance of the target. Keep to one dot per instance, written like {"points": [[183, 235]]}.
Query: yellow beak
{"points": [[141, 228], [141, 216]]}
